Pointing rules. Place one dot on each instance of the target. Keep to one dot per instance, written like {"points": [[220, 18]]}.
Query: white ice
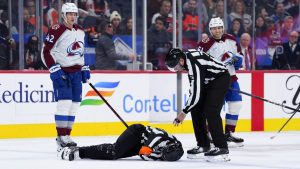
{"points": [[259, 152]]}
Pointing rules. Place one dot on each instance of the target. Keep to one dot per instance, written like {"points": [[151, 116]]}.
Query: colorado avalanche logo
{"points": [[76, 48]]}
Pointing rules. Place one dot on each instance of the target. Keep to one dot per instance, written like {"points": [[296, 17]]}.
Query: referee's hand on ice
{"points": [[179, 119]]}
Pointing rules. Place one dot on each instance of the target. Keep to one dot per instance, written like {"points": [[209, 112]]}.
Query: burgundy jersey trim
{"points": [[71, 69], [52, 36], [233, 78], [78, 27], [228, 36], [205, 44]]}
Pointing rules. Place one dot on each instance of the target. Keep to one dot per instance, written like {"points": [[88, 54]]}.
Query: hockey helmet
{"points": [[68, 7], [172, 152], [215, 22], [173, 57]]}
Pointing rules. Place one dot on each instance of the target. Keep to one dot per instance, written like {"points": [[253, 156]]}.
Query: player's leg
{"points": [[101, 151], [212, 109], [200, 131], [76, 86], [63, 96], [234, 100], [128, 144]]}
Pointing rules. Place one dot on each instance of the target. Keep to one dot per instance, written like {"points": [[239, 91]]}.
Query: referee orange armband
{"points": [[145, 150]]}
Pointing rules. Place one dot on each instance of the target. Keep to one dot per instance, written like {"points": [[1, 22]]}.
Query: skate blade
{"points": [[235, 145], [195, 156], [219, 158]]}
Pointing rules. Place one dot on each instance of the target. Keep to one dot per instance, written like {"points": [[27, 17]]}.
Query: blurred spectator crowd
{"points": [[269, 41]]}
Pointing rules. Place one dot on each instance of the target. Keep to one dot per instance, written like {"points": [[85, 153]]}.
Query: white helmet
{"points": [[215, 22], [68, 7]]}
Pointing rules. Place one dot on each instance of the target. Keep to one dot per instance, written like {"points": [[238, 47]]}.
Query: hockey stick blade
{"points": [[294, 112]]}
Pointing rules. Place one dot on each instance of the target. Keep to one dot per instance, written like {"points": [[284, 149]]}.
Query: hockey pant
{"points": [[68, 99], [209, 109], [128, 144]]}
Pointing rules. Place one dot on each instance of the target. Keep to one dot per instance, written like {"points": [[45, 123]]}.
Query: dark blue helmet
{"points": [[173, 57]]}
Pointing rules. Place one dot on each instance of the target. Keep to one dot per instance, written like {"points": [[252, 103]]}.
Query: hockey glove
{"points": [[57, 75], [238, 61], [85, 73], [234, 59]]}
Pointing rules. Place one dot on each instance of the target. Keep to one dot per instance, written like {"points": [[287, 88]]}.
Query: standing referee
{"points": [[209, 81]]}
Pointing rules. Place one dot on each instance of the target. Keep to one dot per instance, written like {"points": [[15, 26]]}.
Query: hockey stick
{"points": [[281, 105], [111, 108], [260, 98], [294, 112]]}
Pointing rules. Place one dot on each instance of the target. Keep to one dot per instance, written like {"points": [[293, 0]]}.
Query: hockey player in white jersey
{"points": [[222, 46], [63, 54]]}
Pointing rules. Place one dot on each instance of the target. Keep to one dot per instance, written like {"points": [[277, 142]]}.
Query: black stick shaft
{"points": [[294, 112], [287, 121], [111, 108], [260, 98]]}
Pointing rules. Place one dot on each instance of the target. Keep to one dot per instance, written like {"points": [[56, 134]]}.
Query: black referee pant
{"points": [[209, 109], [128, 144]]}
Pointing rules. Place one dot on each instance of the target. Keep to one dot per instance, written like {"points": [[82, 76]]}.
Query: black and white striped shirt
{"points": [[156, 139], [202, 70]]}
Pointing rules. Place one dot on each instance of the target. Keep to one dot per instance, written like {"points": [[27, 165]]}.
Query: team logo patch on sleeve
{"points": [[205, 40], [55, 27]]}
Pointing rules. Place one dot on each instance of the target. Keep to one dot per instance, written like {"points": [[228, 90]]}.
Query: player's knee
{"points": [[74, 107], [63, 106], [234, 107]]}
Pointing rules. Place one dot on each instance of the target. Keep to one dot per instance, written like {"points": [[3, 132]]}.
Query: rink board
{"points": [[27, 105]]}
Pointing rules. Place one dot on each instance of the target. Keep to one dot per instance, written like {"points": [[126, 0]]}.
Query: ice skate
{"points": [[64, 141], [217, 155], [234, 141], [69, 153], [197, 152]]}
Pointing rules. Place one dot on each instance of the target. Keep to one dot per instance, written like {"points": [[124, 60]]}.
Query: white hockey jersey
{"points": [[219, 48], [65, 47]]}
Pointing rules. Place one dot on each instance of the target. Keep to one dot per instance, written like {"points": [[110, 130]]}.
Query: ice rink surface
{"points": [[282, 152]]}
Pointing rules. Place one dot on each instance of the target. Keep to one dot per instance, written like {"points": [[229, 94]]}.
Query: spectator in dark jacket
{"points": [[7, 44], [127, 26], [4, 61], [158, 43], [33, 59], [260, 27], [237, 28], [106, 55], [288, 57]]}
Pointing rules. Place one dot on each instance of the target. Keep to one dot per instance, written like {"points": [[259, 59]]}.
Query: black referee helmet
{"points": [[173, 57], [172, 152]]}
